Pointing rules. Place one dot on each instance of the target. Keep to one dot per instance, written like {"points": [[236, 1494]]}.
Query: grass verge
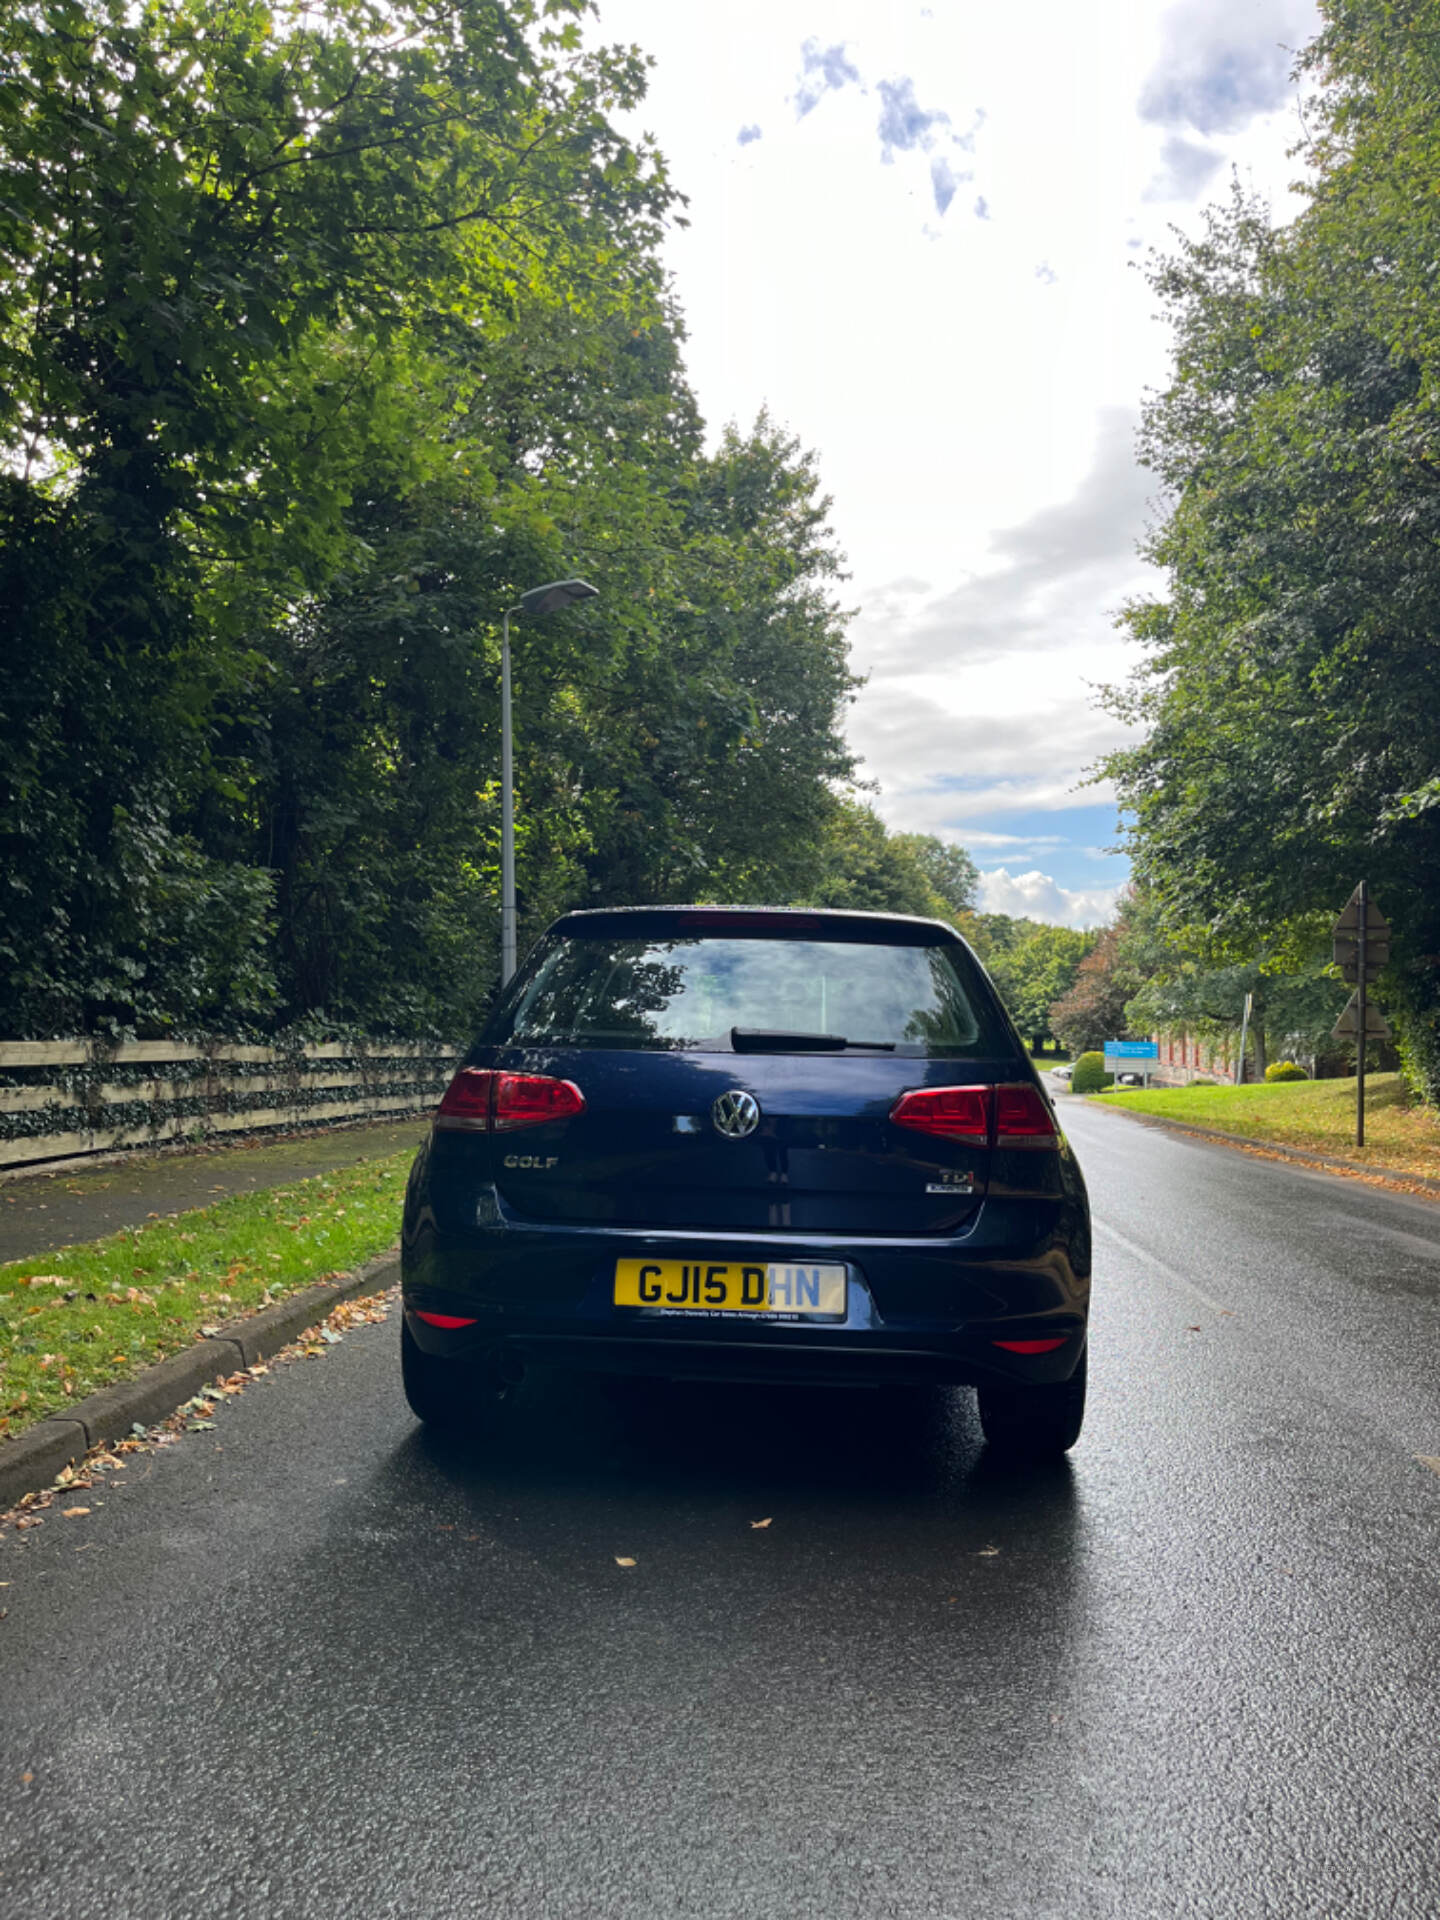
{"points": [[1318, 1116], [98, 1312]]}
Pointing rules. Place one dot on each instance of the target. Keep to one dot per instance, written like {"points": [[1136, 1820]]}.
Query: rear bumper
{"points": [[917, 1310]]}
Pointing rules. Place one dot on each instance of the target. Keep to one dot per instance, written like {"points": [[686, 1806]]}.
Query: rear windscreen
{"points": [[692, 992]]}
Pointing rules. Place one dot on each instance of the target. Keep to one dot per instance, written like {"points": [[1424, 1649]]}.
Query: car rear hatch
{"points": [[843, 1127]]}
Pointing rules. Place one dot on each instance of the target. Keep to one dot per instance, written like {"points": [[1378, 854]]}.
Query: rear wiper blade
{"points": [[781, 1040]]}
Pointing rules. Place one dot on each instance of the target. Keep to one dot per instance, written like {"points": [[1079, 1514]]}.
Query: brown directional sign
{"points": [[1347, 940], [1348, 1025]]}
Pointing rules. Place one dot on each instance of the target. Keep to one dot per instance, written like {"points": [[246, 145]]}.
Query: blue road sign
{"points": [[1132, 1049]]}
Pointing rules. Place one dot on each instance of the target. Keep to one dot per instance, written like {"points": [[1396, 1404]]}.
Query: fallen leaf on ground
{"points": [[759, 1523], [1429, 1460], [620, 1562], [1192, 1329], [987, 1553], [72, 1513]]}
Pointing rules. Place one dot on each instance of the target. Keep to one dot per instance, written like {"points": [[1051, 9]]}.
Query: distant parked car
{"points": [[1063, 1071], [751, 1144]]}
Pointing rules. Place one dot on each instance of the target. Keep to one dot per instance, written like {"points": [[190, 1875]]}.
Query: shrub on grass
{"points": [[1285, 1070], [1090, 1075]]}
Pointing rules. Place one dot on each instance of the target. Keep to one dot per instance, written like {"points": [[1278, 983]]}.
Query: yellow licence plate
{"points": [[727, 1286]]}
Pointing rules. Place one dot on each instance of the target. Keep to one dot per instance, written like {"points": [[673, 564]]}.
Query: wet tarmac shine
{"points": [[316, 1663]]}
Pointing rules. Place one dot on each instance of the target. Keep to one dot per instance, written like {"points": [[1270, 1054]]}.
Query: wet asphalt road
{"points": [[314, 1663]]}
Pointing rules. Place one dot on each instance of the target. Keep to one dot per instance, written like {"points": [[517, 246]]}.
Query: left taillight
{"points": [[530, 1099], [480, 1100], [466, 1105]]}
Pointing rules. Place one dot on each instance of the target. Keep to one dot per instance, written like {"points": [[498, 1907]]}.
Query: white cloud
{"points": [[1185, 170], [981, 699], [823, 70], [1064, 565], [1223, 63], [973, 422], [904, 123], [1036, 896]]}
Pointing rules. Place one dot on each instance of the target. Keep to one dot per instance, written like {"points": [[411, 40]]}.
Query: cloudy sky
{"points": [[915, 235]]}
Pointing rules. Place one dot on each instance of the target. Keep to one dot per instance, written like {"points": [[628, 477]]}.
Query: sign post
{"points": [[1362, 949], [1244, 1040]]}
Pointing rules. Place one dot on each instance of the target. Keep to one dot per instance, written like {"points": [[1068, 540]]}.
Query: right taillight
{"points": [[1022, 1118], [479, 1100], [1019, 1114], [948, 1113]]}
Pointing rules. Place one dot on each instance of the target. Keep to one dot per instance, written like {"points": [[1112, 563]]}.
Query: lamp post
{"points": [[547, 599]]}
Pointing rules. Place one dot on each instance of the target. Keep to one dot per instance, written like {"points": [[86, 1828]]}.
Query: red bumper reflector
{"points": [[1030, 1346], [446, 1320]]}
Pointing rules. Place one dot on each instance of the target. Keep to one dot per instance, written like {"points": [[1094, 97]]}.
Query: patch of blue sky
{"points": [[1071, 844]]}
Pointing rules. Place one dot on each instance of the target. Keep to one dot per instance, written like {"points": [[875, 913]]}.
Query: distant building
{"points": [[1184, 1058]]}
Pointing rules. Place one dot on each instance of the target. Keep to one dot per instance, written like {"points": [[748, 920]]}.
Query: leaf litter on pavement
{"points": [[193, 1417]]}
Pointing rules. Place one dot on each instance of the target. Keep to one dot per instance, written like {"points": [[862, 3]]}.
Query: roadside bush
{"points": [[1090, 1075], [1285, 1070]]}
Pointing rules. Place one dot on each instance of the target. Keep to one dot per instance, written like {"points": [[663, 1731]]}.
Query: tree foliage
{"points": [[1092, 1010], [1034, 965], [870, 869], [324, 332], [1292, 687]]}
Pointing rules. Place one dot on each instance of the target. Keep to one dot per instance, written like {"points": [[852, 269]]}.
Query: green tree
{"points": [[953, 875], [324, 331], [1035, 971], [228, 247], [1291, 694], [873, 870], [1093, 1009]]}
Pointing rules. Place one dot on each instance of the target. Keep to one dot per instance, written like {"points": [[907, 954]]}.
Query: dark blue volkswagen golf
{"points": [[751, 1144]]}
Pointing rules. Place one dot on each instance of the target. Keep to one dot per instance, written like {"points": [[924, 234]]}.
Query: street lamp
{"points": [[547, 599]]}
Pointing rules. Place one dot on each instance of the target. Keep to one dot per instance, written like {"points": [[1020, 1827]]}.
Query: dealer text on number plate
{"points": [[729, 1286]]}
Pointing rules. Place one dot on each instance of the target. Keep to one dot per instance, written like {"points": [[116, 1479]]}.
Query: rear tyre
{"points": [[1034, 1423], [452, 1396]]}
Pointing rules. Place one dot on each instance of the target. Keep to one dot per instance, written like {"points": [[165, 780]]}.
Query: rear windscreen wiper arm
{"points": [[781, 1040]]}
